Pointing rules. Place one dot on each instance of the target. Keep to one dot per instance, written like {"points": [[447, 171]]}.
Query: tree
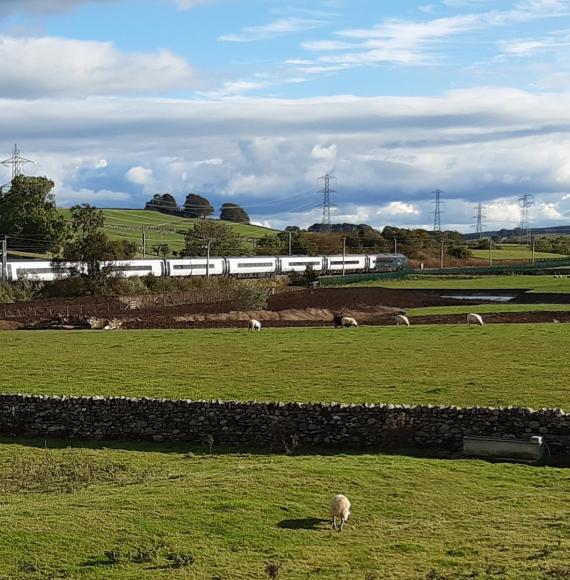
{"points": [[223, 240], [197, 206], [90, 244], [164, 203], [232, 212], [29, 215]]}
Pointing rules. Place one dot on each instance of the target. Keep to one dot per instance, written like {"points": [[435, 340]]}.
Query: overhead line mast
{"points": [[16, 161], [326, 191]]}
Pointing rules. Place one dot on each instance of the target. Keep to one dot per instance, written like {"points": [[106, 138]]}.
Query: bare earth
{"points": [[316, 307]]}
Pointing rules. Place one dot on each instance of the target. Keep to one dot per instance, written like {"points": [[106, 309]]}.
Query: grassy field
{"points": [[138, 513], [514, 252], [486, 309], [446, 364], [533, 283], [159, 227]]}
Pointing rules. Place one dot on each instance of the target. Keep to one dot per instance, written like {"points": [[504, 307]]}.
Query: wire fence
{"points": [[543, 266]]}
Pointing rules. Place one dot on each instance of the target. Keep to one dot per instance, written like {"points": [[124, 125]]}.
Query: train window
{"points": [[40, 270], [304, 263], [131, 268], [346, 261], [193, 266], [256, 265]]}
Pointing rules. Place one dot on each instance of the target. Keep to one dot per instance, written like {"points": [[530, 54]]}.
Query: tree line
{"points": [[196, 206]]}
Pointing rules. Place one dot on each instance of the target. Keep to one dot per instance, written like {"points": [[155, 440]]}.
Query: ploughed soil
{"points": [[311, 307]]}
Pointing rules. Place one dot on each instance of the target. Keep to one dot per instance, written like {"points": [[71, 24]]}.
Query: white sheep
{"points": [[347, 321], [340, 508], [473, 318], [401, 319], [254, 325]]}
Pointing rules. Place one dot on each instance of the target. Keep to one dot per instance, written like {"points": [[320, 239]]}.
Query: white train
{"points": [[239, 266]]}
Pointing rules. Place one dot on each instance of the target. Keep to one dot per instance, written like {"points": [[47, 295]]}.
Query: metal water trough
{"points": [[532, 449]]}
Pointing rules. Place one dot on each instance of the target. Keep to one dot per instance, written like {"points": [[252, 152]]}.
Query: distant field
{"points": [[519, 364], [128, 224], [514, 252], [486, 309], [97, 512], [533, 283]]}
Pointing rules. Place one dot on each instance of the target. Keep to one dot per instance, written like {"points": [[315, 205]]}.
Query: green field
{"points": [[445, 364], [159, 228], [514, 252], [532, 283], [486, 309], [107, 512]]}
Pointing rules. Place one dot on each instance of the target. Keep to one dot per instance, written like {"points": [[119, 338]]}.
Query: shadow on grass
{"points": [[303, 524], [189, 449]]}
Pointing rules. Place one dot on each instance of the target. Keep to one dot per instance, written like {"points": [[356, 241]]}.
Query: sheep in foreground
{"points": [[254, 326], [473, 318], [347, 321], [401, 319], [340, 508]]}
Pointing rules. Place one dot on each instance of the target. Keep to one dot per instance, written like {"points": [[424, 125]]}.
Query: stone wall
{"points": [[276, 425]]}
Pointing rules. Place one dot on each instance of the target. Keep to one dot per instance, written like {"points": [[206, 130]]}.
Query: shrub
{"points": [[249, 297], [180, 560]]}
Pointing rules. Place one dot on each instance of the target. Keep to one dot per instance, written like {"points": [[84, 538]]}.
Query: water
{"points": [[486, 297]]}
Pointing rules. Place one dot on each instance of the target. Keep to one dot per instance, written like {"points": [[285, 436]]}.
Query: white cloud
{"points": [[388, 153], [101, 164], [398, 208], [49, 66], [188, 4], [273, 29], [139, 175], [44, 6]]}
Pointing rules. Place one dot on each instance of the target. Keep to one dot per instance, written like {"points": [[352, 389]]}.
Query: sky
{"points": [[252, 101]]}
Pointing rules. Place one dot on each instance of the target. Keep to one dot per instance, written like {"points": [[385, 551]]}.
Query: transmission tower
{"points": [[437, 211], [326, 191], [16, 161], [480, 217], [525, 202]]}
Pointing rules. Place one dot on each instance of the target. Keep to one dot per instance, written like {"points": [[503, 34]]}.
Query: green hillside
{"points": [[514, 252], [159, 228]]}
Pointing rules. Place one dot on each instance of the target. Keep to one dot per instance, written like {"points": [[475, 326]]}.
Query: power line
{"points": [[525, 202], [326, 191], [480, 217], [437, 210], [16, 161]]}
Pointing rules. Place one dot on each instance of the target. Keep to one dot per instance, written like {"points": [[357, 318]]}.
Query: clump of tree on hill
{"points": [[196, 206], [164, 203], [232, 212]]}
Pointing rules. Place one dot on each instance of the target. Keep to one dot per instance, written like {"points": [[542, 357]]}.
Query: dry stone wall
{"points": [[276, 425]]}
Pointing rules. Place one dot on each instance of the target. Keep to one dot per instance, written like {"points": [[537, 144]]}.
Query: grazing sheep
{"points": [[340, 508], [473, 318], [347, 321], [254, 325], [401, 319]]}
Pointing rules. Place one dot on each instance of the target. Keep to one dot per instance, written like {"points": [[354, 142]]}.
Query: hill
{"points": [[160, 228]]}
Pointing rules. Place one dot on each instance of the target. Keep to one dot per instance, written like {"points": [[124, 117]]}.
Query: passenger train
{"points": [[238, 266]]}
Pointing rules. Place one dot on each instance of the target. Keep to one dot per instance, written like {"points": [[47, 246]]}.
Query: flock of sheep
{"points": [[346, 322]]}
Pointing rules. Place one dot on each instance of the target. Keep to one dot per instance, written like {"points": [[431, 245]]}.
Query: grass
{"points": [[441, 364], [532, 283], [486, 309], [229, 515], [128, 224], [514, 252]]}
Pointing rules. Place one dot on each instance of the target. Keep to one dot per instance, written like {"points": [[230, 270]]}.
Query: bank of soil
{"points": [[314, 307]]}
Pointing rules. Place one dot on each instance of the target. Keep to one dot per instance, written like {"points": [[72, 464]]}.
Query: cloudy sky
{"points": [[251, 101]]}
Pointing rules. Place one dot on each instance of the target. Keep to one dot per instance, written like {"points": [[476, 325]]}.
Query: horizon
{"points": [[251, 102]]}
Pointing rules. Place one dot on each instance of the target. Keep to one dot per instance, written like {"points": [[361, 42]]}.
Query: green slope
{"points": [[159, 228]]}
